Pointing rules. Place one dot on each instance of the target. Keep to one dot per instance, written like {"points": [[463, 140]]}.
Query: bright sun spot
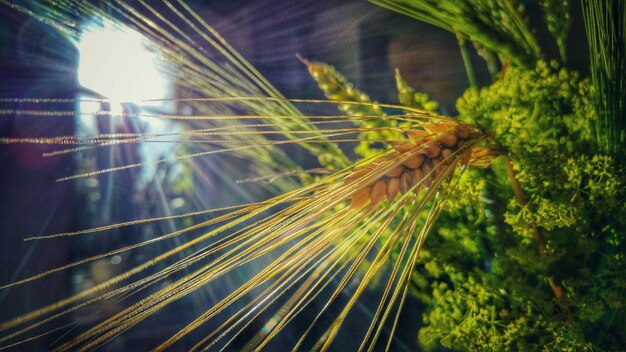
{"points": [[117, 63]]}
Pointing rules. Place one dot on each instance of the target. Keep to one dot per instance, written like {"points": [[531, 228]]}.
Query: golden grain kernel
{"points": [[437, 167], [436, 127], [361, 198], [380, 160], [433, 149], [414, 162], [434, 163], [449, 140], [418, 135], [428, 175], [393, 187], [406, 181], [418, 175], [446, 153], [465, 158], [463, 131], [379, 190], [395, 172], [358, 173], [405, 147]]}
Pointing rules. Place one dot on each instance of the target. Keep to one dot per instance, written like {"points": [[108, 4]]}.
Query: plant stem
{"points": [[605, 25], [467, 61], [522, 201]]}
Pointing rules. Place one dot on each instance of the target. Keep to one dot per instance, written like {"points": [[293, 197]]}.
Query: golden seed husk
{"points": [[432, 151], [395, 172], [379, 191], [466, 157], [449, 140], [418, 175], [406, 181], [434, 163], [463, 131], [436, 127], [426, 169], [358, 173], [445, 153], [405, 147], [414, 162], [379, 161], [361, 198], [393, 187], [418, 135], [429, 155]]}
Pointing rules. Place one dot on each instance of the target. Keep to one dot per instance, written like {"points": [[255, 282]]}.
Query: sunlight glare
{"points": [[117, 63]]}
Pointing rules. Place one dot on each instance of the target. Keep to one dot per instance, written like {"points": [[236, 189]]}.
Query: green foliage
{"points": [[544, 105], [467, 313], [488, 282], [605, 24], [558, 19], [496, 25]]}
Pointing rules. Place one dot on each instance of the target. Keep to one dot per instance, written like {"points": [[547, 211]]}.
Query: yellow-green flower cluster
{"points": [[488, 281], [467, 315]]}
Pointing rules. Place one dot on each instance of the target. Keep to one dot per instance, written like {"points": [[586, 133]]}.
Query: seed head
{"points": [[416, 163]]}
